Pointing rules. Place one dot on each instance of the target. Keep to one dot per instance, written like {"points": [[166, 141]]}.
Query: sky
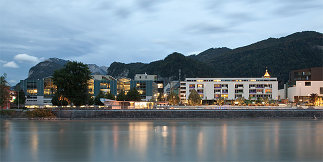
{"points": [[103, 31]]}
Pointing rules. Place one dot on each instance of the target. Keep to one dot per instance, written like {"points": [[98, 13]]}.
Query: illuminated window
{"points": [[259, 90], [32, 91], [268, 91], [192, 85], [200, 85], [224, 95], [217, 85]]}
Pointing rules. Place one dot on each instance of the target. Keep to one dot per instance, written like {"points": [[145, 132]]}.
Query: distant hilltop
{"points": [[280, 55]]}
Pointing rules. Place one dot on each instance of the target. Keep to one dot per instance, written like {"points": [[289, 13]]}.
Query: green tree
{"points": [[90, 100], [4, 90], [109, 96], [59, 100], [313, 98], [72, 82], [194, 98], [121, 96], [161, 97], [97, 99], [173, 98], [20, 98], [220, 101], [133, 95]]}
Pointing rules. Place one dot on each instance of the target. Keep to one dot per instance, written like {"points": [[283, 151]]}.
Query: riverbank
{"points": [[163, 114]]}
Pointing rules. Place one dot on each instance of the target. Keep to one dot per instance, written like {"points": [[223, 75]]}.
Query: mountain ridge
{"points": [[280, 55]]}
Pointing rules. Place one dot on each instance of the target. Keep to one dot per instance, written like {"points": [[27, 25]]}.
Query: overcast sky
{"points": [[104, 31]]}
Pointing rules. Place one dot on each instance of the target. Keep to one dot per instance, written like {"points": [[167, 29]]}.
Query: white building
{"points": [[303, 89], [230, 88], [145, 76]]}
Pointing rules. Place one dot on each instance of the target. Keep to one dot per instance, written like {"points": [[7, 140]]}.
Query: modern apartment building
{"points": [[311, 74], [40, 91], [230, 88]]}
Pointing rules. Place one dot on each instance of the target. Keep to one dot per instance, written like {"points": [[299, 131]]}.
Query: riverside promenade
{"points": [[190, 114], [209, 112]]}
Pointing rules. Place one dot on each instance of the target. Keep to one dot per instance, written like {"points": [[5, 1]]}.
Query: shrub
{"points": [[40, 113]]}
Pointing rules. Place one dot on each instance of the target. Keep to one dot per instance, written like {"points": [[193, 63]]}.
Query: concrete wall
{"points": [[159, 114]]}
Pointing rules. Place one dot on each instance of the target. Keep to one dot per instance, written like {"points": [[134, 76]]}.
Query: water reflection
{"points": [[236, 140]]}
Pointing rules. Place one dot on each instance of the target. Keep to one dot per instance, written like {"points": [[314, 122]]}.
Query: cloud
{"points": [[205, 28], [27, 58], [11, 64], [2, 61]]}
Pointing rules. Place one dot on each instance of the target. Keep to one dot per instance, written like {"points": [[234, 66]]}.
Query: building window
{"points": [[217, 91], [321, 90], [200, 91], [217, 85], [252, 91], [224, 85], [252, 85], [238, 96], [239, 86], [200, 85], [307, 83], [268, 91], [239, 91], [225, 96], [225, 91], [192, 85]]}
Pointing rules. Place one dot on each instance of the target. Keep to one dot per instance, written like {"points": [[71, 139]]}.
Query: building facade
{"points": [[39, 92], [312, 74], [230, 88], [302, 91]]}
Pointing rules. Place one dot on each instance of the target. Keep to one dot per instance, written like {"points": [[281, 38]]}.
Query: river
{"points": [[162, 140]]}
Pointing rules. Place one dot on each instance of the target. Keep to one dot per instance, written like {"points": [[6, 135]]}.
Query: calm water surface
{"points": [[174, 140]]}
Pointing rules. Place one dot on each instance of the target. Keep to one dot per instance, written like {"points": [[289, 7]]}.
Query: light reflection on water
{"points": [[186, 140]]}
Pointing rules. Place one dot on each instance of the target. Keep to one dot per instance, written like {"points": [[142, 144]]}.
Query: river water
{"points": [[162, 140]]}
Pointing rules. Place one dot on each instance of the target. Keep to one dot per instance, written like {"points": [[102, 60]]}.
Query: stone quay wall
{"points": [[182, 114]]}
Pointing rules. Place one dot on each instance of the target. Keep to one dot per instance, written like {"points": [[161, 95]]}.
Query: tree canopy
{"points": [[59, 100], [121, 96], [173, 98], [133, 95], [109, 96], [194, 98], [4, 90], [72, 82]]}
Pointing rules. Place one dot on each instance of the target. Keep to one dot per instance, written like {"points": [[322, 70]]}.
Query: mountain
{"points": [[296, 51], [280, 55], [167, 69], [46, 68], [99, 70]]}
